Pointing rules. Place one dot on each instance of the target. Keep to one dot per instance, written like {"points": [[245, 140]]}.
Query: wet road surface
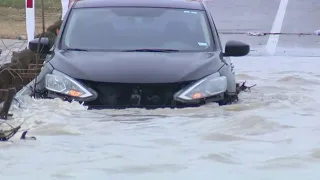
{"points": [[294, 16], [271, 134]]}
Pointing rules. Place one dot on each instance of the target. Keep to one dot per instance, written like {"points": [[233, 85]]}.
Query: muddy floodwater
{"points": [[272, 133]]}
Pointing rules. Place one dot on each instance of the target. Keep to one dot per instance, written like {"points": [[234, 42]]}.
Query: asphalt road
{"points": [[285, 16], [243, 16], [7, 46]]}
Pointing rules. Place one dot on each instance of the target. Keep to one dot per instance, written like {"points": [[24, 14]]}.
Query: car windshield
{"points": [[126, 29]]}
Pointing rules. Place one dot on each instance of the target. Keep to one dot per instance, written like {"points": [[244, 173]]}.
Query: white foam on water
{"points": [[272, 133]]}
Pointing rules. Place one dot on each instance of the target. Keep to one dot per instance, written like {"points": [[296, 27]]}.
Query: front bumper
{"points": [[97, 95], [125, 95]]}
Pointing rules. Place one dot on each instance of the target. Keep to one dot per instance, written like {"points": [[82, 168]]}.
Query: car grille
{"points": [[134, 95]]}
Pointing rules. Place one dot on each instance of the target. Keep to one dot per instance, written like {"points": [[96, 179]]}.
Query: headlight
{"points": [[61, 83], [211, 85]]}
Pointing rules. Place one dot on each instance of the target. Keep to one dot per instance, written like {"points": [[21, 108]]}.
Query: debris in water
{"points": [[244, 87], [256, 34], [317, 32], [24, 137], [8, 133]]}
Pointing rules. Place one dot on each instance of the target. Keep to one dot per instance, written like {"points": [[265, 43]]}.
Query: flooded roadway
{"points": [[271, 134]]}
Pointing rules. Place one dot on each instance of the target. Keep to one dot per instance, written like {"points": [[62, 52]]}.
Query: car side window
{"points": [[205, 31], [216, 31]]}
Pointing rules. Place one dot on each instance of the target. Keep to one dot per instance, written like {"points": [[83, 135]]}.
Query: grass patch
{"points": [[48, 4], [13, 14], [13, 21]]}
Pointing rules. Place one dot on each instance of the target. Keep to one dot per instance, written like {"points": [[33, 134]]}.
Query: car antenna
{"points": [[38, 47]]}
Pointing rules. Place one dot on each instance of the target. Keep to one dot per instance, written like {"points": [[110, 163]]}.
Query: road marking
{"points": [[276, 27]]}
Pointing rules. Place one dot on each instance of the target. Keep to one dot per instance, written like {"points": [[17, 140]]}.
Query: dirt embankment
{"points": [[13, 21]]}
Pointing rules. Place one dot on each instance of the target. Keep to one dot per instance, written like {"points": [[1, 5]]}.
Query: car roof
{"points": [[184, 4]]}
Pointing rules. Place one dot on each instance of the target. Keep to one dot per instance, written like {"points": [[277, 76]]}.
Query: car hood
{"points": [[135, 67]]}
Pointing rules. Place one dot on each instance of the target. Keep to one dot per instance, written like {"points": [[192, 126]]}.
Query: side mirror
{"points": [[236, 48], [44, 45]]}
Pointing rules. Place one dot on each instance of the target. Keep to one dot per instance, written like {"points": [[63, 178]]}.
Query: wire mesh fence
{"points": [[8, 46], [18, 65]]}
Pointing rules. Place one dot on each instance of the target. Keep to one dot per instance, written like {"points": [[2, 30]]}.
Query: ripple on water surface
{"points": [[271, 132]]}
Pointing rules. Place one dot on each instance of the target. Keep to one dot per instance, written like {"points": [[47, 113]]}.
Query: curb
{"points": [[19, 37]]}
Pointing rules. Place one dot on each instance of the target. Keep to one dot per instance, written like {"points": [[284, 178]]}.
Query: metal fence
{"points": [[18, 67], [8, 47]]}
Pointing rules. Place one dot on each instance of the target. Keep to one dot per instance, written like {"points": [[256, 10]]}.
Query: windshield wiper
{"points": [[151, 50], [76, 49]]}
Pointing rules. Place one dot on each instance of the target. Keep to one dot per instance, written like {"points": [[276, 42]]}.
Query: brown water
{"points": [[272, 133]]}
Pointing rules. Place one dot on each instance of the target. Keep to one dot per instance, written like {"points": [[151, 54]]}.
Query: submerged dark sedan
{"points": [[142, 53]]}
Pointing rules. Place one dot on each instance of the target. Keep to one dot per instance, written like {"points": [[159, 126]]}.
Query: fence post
{"points": [[10, 93]]}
